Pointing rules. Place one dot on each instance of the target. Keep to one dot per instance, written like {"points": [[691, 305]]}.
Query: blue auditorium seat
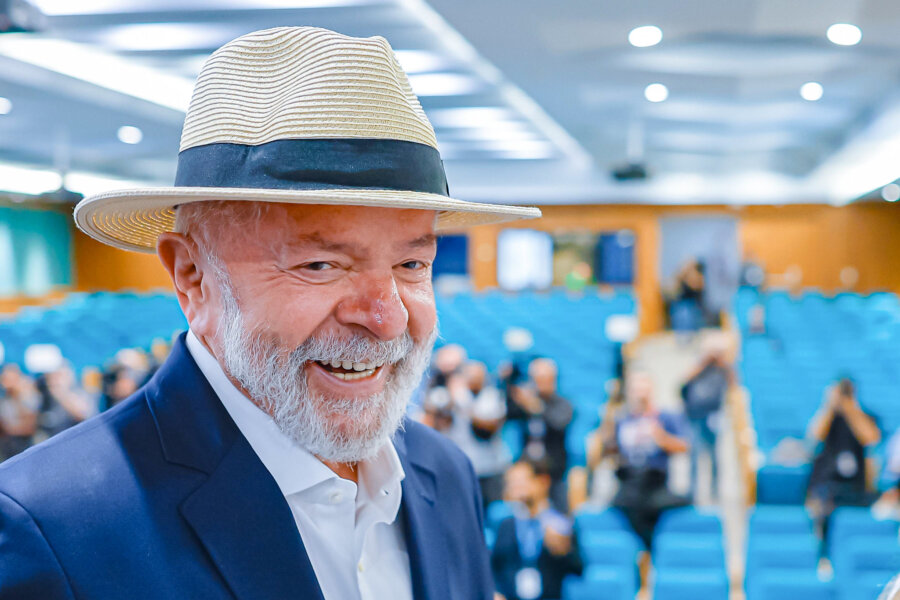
{"points": [[690, 584], [788, 551], [779, 484], [848, 522], [775, 519], [611, 548], [688, 519], [605, 519], [788, 584], [864, 562], [701, 550], [600, 583]]}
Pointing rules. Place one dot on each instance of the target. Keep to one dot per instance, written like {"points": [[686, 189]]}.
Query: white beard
{"points": [[343, 430]]}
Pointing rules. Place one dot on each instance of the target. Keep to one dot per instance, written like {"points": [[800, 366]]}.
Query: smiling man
{"points": [[270, 457]]}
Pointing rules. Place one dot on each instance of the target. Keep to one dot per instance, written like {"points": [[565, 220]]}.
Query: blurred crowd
{"points": [[535, 546], [513, 424], [34, 407]]}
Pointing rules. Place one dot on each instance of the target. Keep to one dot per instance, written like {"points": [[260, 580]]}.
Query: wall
{"points": [[102, 267], [821, 240], [818, 239], [35, 251]]}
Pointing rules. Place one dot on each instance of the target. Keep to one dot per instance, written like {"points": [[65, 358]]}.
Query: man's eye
{"points": [[413, 265], [318, 266]]}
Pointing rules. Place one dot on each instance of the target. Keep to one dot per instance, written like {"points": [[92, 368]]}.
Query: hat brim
{"points": [[133, 219]]}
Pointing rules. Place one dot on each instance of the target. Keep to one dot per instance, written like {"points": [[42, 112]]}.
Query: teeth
{"points": [[359, 366], [336, 364], [356, 375], [347, 365]]}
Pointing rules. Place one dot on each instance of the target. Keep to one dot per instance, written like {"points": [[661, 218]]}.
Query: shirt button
{"points": [[335, 497], [359, 567]]}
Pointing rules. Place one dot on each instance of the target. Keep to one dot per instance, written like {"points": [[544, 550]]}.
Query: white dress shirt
{"points": [[351, 533]]}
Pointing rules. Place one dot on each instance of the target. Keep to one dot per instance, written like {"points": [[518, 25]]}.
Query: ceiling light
{"points": [[844, 34], [811, 91], [420, 61], [93, 7], [645, 36], [469, 116], [5, 106], [164, 36], [23, 180], [444, 84], [130, 135], [656, 92], [100, 68], [891, 192], [90, 184]]}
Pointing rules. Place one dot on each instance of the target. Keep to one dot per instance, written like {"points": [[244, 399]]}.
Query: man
{"points": [[704, 396], [535, 549], [546, 416], [269, 456], [19, 407], [644, 439], [838, 476], [481, 412]]}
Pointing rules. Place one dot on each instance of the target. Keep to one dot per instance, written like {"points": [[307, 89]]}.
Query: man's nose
{"points": [[376, 305]]}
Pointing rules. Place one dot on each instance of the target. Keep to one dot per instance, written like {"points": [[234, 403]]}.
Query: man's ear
{"points": [[181, 258]]}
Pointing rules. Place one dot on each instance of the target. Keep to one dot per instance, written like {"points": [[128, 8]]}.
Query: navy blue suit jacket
{"points": [[162, 497]]}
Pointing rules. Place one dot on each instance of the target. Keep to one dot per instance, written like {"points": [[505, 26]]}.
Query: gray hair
{"points": [[208, 222]]}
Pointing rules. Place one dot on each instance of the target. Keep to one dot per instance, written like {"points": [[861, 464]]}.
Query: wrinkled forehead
{"points": [[257, 228]]}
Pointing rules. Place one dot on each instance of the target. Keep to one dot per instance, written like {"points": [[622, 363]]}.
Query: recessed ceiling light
{"points": [[130, 135], [891, 192], [444, 84], [844, 34], [811, 91], [645, 36], [656, 92], [5, 106], [104, 69], [420, 61]]}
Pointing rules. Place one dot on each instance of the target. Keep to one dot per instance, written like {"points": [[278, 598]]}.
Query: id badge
{"points": [[528, 584]]}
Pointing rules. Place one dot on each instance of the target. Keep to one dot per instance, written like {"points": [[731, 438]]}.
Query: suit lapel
{"points": [[247, 527], [423, 528], [239, 513]]}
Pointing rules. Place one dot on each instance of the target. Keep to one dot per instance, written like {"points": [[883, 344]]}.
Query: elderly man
{"points": [[269, 457]]}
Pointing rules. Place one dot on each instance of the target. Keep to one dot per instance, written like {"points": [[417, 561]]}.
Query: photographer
{"points": [[838, 473]]}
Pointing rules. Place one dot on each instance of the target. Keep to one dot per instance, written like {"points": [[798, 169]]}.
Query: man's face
{"points": [[340, 305]]}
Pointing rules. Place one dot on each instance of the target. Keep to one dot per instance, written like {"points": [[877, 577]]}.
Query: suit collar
{"points": [[423, 524], [247, 528], [194, 428]]}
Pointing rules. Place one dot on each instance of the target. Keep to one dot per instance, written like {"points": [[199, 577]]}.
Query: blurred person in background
{"points": [[19, 406], [687, 310], [478, 425], [63, 402], [843, 430], [119, 382], [645, 438], [704, 395], [447, 363], [545, 416], [536, 548]]}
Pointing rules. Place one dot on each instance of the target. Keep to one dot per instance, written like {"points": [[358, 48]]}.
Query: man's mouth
{"points": [[349, 371]]}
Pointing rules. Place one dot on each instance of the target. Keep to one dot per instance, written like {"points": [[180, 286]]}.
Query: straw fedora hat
{"points": [[298, 115]]}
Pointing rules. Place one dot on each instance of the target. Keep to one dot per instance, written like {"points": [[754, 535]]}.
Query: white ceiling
{"points": [[532, 100]]}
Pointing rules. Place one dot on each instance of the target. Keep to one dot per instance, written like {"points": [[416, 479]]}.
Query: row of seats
{"points": [[805, 344], [783, 555], [688, 557], [90, 328]]}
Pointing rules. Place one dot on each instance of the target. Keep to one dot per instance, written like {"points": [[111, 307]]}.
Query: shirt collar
{"points": [[294, 468]]}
